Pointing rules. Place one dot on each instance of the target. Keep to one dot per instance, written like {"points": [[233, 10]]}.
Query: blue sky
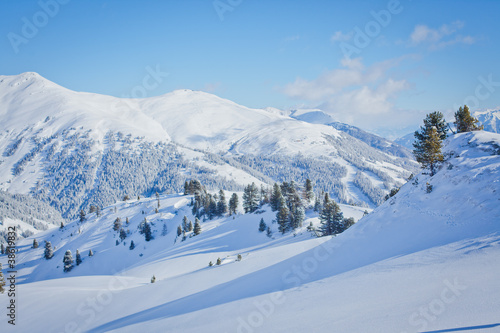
{"points": [[380, 65]]}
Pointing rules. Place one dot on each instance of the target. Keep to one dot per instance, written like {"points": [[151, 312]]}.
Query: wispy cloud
{"points": [[292, 38], [339, 36], [441, 37], [355, 94]]}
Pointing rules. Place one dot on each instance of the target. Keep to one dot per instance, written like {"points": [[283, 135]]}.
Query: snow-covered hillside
{"points": [[424, 261], [73, 149]]}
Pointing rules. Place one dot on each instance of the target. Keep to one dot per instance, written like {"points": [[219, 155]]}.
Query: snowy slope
{"points": [[421, 262]]}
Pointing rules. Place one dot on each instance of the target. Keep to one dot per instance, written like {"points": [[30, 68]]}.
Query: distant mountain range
{"points": [[73, 149]]}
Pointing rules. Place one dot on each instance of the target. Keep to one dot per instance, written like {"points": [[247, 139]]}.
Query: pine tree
{"points": [[282, 217], [275, 197], [348, 222], [465, 122], [331, 219], [164, 230], [35, 243], [218, 261], [185, 223], [233, 204], [308, 191], [117, 224], [262, 225], [251, 198], [2, 280], [221, 204], [197, 226], [82, 216], [2, 249], [153, 279], [91, 253], [62, 226], [98, 211], [434, 119], [179, 231], [132, 245], [123, 234], [428, 152], [269, 233], [49, 253], [68, 261], [210, 264], [147, 232], [190, 226], [78, 258], [186, 188], [238, 258], [297, 216]]}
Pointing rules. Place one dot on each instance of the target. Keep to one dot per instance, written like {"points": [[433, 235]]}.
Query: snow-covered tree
{"points": [[219, 261], [82, 216], [179, 231], [123, 234], [197, 226], [262, 225], [68, 261], [117, 225], [153, 279], [251, 198], [49, 253], [164, 231], [308, 191], [78, 258], [428, 151], [35, 243], [132, 245], [221, 204], [190, 226], [233, 204], [275, 197], [148, 235], [91, 253], [2, 249], [282, 216], [331, 219]]}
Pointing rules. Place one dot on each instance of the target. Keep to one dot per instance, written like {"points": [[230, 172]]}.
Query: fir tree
{"points": [[164, 230], [197, 226], [98, 211], [35, 243], [269, 233], [275, 197], [348, 222], [308, 190], [147, 232], [62, 226], [331, 219], [233, 204], [2, 249], [434, 119], [218, 261], [179, 231], [92, 209], [68, 261], [282, 217], [465, 122], [82, 216], [262, 225], [132, 245], [186, 188], [78, 258], [251, 198], [49, 253], [428, 152], [190, 226], [210, 264], [123, 234], [238, 258], [2, 280], [153, 279], [185, 223], [117, 225], [91, 253], [221, 204]]}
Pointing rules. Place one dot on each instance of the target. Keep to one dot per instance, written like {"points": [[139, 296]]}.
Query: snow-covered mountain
{"points": [[490, 119], [74, 149], [425, 260]]}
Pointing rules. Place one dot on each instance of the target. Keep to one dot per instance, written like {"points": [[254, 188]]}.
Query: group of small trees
{"points": [[286, 200], [209, 205], [67, 259], [332, 219], [187, 226], [429, 139]]}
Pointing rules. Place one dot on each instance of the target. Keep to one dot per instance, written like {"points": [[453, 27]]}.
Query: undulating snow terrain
{"points": [[426, 260], [73, 149]]}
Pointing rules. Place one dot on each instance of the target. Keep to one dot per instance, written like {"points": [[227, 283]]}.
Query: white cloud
{"points": [[339, 36], [355, 94], [443, 36]]}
